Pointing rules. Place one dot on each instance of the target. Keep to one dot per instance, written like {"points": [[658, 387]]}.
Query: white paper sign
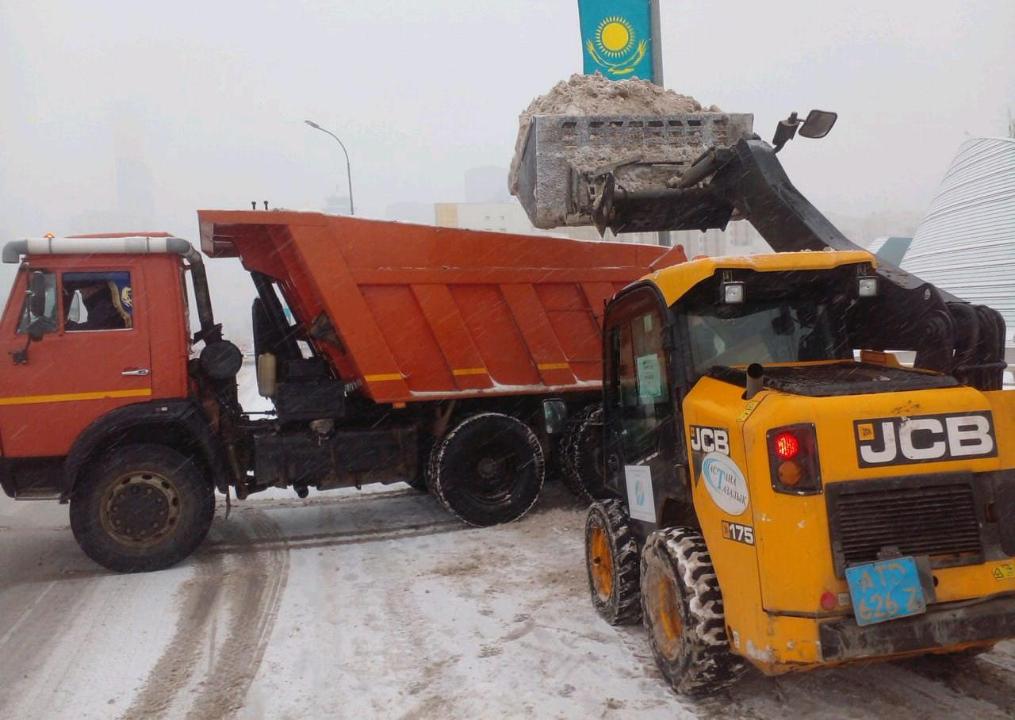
{"points": [[640, 502], [650, 383]]}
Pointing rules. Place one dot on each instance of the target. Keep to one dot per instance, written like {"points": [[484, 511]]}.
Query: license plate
{"points": [[885, 590]]}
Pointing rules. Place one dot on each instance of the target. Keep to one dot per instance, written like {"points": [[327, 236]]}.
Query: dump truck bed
{"points": [[422, 313]]}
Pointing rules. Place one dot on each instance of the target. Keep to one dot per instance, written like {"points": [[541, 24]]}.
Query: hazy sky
{"points": [[211, 96]]}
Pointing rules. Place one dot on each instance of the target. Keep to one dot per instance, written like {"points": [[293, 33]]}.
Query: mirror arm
{"points": [[20, 357]]}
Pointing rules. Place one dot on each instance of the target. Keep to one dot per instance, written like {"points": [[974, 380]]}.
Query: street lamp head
{"points": [[312, 124]]}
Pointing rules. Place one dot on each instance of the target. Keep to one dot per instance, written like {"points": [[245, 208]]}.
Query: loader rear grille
{"points": [[926, 515]]}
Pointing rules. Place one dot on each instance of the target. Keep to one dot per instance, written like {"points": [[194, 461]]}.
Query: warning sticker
{"points": [[1004, 571]]}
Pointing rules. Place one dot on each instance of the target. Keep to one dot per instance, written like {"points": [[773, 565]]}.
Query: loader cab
{"points": [[664, 334]]}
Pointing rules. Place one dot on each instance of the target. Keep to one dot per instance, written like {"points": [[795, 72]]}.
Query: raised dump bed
{"points": [[563, 154], [418, 313]]}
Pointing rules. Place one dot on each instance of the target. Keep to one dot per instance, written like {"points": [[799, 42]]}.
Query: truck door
{"points": [[93, 357], [643, 457]]}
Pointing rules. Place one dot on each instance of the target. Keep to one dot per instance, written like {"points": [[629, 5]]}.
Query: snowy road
{"points": [[366, 605]]}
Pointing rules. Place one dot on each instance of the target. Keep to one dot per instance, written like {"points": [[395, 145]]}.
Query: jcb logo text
{"points": [[924, 438], [707, 439]]}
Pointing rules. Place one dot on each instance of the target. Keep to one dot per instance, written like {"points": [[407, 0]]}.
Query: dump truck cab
{"points": [[796, 498], [110, 332]]}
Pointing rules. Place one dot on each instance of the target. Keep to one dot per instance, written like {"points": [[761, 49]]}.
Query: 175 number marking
{"points": [[738, 533]]}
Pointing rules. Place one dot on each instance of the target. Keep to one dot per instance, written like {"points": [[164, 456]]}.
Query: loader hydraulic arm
{"points": [[747, 181]]}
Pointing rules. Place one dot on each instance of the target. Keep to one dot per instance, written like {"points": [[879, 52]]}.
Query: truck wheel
{"points": [[683, 612], [143, 507], [582, 454], [489, 469], [611, 559]]}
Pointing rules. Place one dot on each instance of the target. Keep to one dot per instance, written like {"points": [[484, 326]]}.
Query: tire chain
{"points": [[626, 562], [571, 448], [433, 484]]}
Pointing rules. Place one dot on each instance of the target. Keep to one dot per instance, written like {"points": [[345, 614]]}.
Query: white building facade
{"points": [[966, 242]]}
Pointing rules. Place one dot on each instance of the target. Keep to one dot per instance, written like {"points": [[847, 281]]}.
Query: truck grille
{"points": [[927, 515]]}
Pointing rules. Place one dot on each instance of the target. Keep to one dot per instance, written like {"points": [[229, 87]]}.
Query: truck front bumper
{"points": [[962, 623]]}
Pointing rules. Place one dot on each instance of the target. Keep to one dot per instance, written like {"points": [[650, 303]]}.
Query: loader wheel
{"points": [[683, 612], [489, 469], [582, 454], [611, 559], [142, 507]]}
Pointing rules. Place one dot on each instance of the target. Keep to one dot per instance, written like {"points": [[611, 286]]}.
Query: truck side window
{"points": [[48, 323], [97, 301]]}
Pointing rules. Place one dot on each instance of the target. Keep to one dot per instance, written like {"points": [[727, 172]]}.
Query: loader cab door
{"points": [[644, 455]]}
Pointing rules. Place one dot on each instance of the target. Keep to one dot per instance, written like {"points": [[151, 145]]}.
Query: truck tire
{"points": [[141, 508], [581, 454], [489, 469], [682, 609], [611, 560]]}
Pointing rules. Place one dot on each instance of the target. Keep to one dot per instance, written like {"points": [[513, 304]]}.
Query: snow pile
{"points": [[595, 95]]}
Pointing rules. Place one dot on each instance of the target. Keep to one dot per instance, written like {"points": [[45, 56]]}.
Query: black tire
{"points": [[489, 469], [682, 609], [611, 561], [141, 508], [581, 454]]}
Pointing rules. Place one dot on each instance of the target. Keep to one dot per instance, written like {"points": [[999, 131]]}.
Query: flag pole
{"points": [[657, 45], [657, 77]]}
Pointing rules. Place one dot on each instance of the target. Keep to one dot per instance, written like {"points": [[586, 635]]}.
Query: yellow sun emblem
{"points": [[614, 36], [616, 47]]}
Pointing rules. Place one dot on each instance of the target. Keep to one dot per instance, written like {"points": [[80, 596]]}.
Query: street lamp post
{"points": [[348, 165]]}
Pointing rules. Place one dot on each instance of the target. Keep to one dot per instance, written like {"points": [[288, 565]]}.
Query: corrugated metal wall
{"points": [[966, 242]]}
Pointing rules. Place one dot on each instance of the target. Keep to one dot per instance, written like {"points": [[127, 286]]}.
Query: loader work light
{"points": [[793, 459], [733, 293], [867, 287]]}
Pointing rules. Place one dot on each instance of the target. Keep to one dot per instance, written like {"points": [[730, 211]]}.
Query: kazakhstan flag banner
{"points": [[617, 38]]}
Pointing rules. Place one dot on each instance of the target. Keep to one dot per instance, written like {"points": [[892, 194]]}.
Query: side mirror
{"points": [[818, 124], [37, 293]]}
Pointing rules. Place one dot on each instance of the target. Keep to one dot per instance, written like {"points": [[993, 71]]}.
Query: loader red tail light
{"points": [[786, 445], [793, 459]]}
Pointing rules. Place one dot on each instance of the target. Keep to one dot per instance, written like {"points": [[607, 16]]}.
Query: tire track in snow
{"points": [[254, 591], [45, 584], [247, 587], [197, 599]]}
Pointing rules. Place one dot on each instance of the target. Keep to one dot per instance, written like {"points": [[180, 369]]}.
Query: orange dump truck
{"points": [[446, 358]]}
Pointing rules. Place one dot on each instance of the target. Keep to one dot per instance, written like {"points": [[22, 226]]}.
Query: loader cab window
{"points": [[46, 323], [767, 332], [639, 391], [97, 301]]}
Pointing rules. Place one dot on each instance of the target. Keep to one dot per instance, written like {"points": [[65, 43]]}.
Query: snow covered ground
{"points": [[378, 604]]}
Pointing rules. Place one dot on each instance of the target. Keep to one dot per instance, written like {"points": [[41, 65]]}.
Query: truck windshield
{"points": [[772, 332]]}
